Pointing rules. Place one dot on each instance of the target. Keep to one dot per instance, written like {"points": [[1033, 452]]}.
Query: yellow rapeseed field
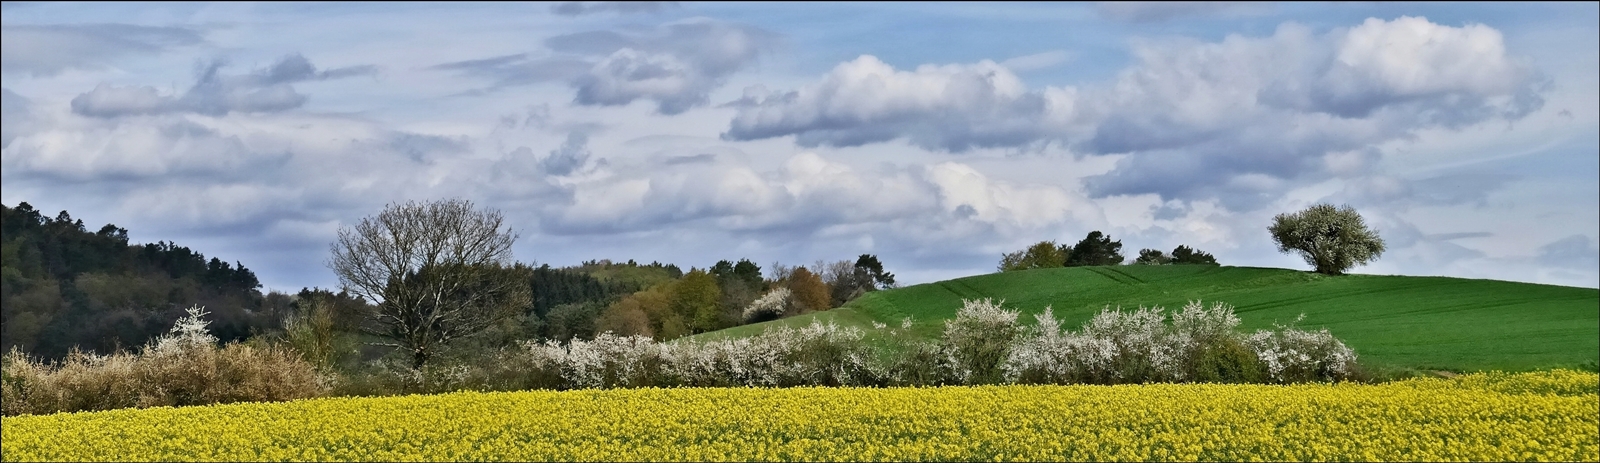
{"points": [[1534, 416]]}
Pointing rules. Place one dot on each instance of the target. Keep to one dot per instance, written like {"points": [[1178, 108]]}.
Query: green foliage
{"points": [[745, 272], [575, 320], [1044, 254], [873, 269], [551, 287], [1152, 257], [695, 299], [629, 275], [1185, 255], [1095, 249], [740, 284], [1227, 360], [1330, 239], [64, 287], [310, 331]]}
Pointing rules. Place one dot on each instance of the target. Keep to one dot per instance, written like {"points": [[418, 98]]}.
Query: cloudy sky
{"points": [[936, 136]]}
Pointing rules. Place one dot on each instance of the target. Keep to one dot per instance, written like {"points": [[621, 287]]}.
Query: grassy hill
{"points": [[1392, 321]]}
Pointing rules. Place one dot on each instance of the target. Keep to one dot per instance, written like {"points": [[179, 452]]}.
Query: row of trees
{"points": [[1095, 249], [441, 271], [421, 277], [1331, 239]]}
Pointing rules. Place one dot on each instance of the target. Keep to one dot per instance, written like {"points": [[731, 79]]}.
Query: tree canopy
{"points": [[1095, 249], [433, 268], [63, 286], [1186, 255], [1044, 254], [1331, 239]]}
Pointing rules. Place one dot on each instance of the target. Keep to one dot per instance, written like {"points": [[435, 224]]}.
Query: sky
{"points": [[936, 136]]}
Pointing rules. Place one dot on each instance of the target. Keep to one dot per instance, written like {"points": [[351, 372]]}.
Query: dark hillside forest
{"points": [[63, 286]]}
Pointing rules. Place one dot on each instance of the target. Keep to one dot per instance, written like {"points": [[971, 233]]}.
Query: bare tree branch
{"points": [[437, 271]]}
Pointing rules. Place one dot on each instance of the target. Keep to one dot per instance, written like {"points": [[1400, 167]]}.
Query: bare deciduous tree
{"points": [[436, 271]]}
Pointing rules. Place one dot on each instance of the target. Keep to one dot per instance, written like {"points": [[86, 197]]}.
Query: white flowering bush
{"points": [[984, 344], [1049, 354], [1198, 344], [818, 354], [979, 339], [188, 336], [1291, 354], [769, 306]]}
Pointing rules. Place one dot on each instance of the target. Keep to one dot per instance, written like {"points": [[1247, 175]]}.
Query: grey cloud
{"points": [[1460, 188], [703, 158], [536, 116], [1145, 12], [582, 8], [480, 65], [1452, 189], [424, 148], [1170, 210], [520, 69], [676, 65], [48, 50], [1576, 251], [1457, 236], [572, 157], [265, 90]]}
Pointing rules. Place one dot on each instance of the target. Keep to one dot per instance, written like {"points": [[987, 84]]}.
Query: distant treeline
{"points": [[65, 287], [1096, 249]]}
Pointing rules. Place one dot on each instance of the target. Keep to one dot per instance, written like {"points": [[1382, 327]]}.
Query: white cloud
{"points": [[811, 196], [1238, 120], [952, 107]]}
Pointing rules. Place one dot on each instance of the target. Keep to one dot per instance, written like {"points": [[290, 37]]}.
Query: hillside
{"points": [[63, 286], [1395, 321]]}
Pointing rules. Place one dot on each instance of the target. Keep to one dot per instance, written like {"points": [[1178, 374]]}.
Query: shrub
{"points": [[979, 339], [817, 354], [770, 306], [1293, 355], [1198, 344], [182, 367], [983, 344], [1227, 361]]}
